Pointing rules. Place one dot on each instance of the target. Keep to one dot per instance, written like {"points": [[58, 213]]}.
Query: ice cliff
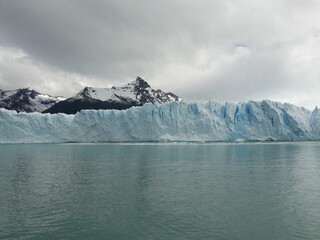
{"points": [[176, 121]]}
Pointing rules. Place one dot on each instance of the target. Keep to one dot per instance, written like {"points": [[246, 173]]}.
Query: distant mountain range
{"points": [[135, 93]]}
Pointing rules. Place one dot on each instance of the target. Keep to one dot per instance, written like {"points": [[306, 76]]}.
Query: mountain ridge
{"points": [[135, 93], [26, 100]]}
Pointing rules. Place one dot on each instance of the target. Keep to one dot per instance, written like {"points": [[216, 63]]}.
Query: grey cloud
{"points": [[190, 47]]}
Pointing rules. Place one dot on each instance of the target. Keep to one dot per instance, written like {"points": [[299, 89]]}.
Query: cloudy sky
{"points": [[223, 50]]}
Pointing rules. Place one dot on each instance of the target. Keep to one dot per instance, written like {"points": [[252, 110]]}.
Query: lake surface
{"points": [[160, 191]]}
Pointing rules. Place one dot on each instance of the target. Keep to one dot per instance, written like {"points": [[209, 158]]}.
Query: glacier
{"points": [[177, 121]]}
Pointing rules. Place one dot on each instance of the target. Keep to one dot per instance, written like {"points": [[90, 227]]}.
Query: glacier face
{"points": [[176, 121]]}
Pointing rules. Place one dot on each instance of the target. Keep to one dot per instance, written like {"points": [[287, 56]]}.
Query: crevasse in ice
{"points": [[177, 121]]}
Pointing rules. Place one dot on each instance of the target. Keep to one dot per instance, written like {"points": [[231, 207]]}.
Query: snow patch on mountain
{"points": [[138, 91], [27, 100], [132, 94]]}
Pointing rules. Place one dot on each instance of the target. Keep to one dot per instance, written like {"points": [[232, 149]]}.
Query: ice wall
{"points": [[177, 121]]}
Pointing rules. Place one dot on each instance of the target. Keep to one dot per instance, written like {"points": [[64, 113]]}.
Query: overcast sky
{"points": [[228, 50]]}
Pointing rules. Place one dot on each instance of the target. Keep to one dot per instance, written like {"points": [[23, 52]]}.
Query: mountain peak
{"points": [[141, 83], [27, 92]]}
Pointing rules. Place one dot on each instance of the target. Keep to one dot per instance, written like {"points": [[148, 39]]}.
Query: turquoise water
{"points": [[160, 191]]}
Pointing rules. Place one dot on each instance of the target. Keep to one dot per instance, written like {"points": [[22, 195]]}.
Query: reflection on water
{"points": [[160, 191]]}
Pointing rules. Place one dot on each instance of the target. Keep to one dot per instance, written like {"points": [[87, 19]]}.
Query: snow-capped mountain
{"points": [[27, 100], [135, 93], [176, 121]]}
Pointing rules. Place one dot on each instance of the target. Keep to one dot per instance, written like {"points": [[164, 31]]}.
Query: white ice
{"points": [[177, 121]]}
